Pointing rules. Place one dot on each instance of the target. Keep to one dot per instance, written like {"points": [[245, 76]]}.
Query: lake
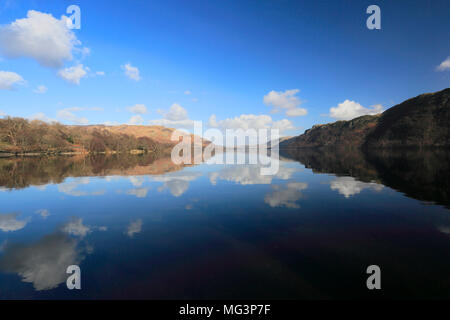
{"points": [[141, 227]]}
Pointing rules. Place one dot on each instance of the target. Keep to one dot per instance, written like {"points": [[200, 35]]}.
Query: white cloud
{"points": [[42, 117], [136, 120], [176, 113], [100, 73], [136, 181], [249, 174], [445, 65], [40, 89], [2, 113], [176, 117], [44, 213], [69, 188], [39, 36], [68, 115], [134, 227], [286, 100], [131, 72], [348, 186], [9, 79], [138, 192], [43, 263], [177, 183], [74, 74], [285, 196], [187, 92], [75, 227], [296, 112], [138, 108], [8, 222], [251, 121], [348, 110]]}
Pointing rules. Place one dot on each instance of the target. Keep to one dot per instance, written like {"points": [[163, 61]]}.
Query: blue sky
{"points": [[201, 58]]}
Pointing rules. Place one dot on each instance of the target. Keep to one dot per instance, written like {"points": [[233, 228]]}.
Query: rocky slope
{"points": [[423, 121]]}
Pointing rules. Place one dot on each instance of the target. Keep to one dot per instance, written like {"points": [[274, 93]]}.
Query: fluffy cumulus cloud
{"points": [[250, 121], [348, 186], [138, 108], [131, 72], [74, 74], [287, 101], [136, 120], [285, 196], [176, 113], [9, 79], [9, 222], [69, 115], [445, 65], [43, 263], [176, 117], [39, 36], [40, 89], [348, 110]]}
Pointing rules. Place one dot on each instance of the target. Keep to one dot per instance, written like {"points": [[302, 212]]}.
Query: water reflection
{"points": [[134, 227], [9, 222], [225, 231], [16, 173], [349, 186], [177, 182], [42, 263], [286, 195], [420, 174], [249, 174]]}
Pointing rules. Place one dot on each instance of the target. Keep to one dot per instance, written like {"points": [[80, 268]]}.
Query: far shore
{"points": [[6, 154]]}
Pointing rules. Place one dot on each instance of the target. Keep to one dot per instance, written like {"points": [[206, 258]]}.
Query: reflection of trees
{"points": [[423, 175], [23, 172], [420, 174]]}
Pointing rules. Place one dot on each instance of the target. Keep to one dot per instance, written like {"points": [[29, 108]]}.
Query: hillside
{"points": [[22, 136], [340, 133], [420, 121], [158, 134], [423, 121]]}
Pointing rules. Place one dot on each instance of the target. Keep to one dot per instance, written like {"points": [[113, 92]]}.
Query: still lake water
{"points": [[140, 227]]}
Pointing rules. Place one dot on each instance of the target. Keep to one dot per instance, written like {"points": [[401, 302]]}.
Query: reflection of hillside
{"points": [[423, 175], [23, 172], [345, 162], [420, 174]]}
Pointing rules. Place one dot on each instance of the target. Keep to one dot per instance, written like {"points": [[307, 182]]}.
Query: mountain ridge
{"points": [[422, 121]]}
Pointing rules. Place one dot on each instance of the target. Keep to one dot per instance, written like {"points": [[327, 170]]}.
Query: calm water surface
{"points": [[140, 227]]}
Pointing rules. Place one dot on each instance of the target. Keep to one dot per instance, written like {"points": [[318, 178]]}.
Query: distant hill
{"points": [[158, 134], [22, 136], [340, 133], [423, 121]]}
